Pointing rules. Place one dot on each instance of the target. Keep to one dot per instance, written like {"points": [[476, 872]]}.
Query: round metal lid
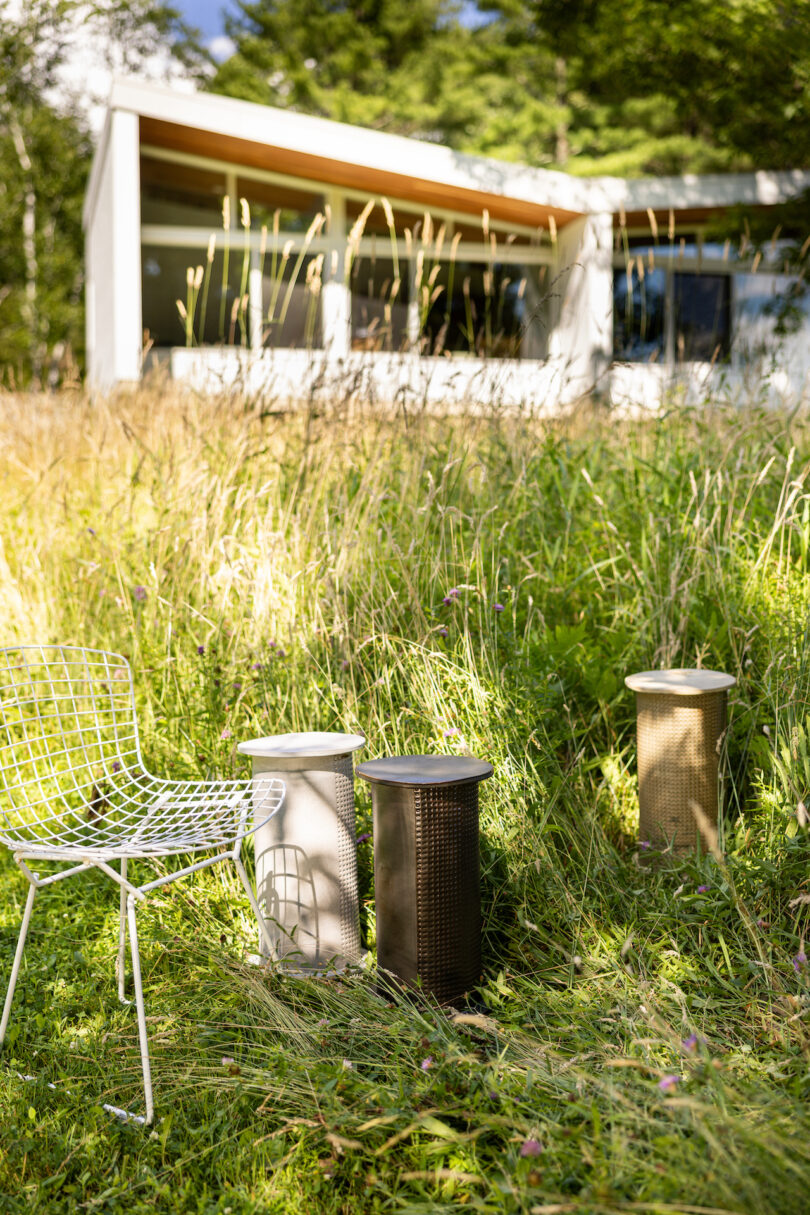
{"points": [[303, 745], [425, 770], [681, 681]]}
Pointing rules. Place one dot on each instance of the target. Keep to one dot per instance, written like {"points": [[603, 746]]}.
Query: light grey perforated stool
{"points": [[681, 718], [306, 863]]}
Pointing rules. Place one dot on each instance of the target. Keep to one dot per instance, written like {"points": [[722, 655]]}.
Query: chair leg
{"points": [[122, 938], [136, 977], [265, 931], [15, 969]]}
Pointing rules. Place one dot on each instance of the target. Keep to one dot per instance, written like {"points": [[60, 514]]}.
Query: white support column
{"points": [[581, 341], [336, 300], [114, 318], [255, 301]]}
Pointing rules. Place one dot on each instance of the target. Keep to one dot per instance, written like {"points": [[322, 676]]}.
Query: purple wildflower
{"points": [[799, 961], [702, 889], [225, 733], [361, 839], [668, 1082], [690, 1043], [452, 732], [447, 599], [201, 649], [498, 607], [237, 687], [258, 666], [453, 593], [140, 593], [116, 767], [443, 632], [531, 1147], [345, 664], [426, 1064], [645, 844]]}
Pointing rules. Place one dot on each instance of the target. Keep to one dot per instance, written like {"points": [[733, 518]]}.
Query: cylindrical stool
{"points": [[681, 718], [306, 855], [426, 887]]}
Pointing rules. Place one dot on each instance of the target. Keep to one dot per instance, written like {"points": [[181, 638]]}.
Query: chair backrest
{"points": [[67, 728]]}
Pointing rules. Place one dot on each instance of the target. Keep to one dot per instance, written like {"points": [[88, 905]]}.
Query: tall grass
{"points": [[639, 1039]]}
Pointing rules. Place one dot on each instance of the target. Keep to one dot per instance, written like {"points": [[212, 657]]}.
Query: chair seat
{"points": [[146, 816]]}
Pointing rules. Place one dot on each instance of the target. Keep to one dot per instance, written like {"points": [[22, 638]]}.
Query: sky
{"points": [[207, 17]]}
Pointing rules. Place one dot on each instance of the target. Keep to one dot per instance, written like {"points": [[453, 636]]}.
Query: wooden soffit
{"points": [[196, 142]]}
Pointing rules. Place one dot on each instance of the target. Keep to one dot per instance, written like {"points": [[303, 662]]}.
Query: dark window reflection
{"points": [[498, 311], [702, 304], [379, 304], [639, 304]]}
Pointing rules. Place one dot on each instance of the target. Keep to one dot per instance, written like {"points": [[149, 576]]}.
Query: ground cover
{"points": [[639, 1042]]}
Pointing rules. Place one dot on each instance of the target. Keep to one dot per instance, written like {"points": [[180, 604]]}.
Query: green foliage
{"points": [[45, 152], [312, 559], [600, 86]]}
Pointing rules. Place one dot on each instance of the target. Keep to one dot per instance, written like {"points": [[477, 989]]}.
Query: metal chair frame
{"points": [[77, 791]]}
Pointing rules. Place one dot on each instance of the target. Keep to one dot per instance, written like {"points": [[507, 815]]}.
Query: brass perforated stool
{"points": [[306, 862], [681, 718], [426, 884]]}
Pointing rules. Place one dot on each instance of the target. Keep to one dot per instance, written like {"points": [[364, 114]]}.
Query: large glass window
{"points": [[213, 297], [701, 314], [294, 208], [663, 312], [216, 306], [180, 195], [492, 311], [291, 312], [380, 294]]}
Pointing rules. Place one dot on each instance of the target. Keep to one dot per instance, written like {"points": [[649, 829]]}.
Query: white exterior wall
{"points": [[581, 341], [113, 258], [293, 377]]}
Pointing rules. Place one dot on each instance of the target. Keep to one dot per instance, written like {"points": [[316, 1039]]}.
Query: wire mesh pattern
{"points": [[73, 787], [448, 901], [678, 764], [72, 772]]}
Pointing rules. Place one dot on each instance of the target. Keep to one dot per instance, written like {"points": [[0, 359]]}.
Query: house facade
{"points": [[241, 245]]}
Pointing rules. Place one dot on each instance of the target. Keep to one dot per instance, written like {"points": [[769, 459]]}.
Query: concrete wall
{"points": [[292, 377], [113, 258]]}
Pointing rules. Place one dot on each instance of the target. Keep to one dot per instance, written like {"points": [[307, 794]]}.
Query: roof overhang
{"points": [[333, 153]]}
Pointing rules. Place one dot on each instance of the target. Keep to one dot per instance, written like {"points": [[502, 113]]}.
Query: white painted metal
{"points": [[306, 856], [77, 790]]}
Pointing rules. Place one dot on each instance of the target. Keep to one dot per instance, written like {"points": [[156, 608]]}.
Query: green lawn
{"points": [[309, 559]]}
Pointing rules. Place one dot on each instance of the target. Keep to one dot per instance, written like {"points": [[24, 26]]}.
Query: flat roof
{"points": [[374, 162]]}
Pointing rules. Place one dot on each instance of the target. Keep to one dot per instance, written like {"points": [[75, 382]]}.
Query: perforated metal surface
{"points": [[347, 857], [678, 763], [448, 899], [306, 858], [426, 873]]}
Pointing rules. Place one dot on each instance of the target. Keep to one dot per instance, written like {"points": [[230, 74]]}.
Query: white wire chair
{"points": [[76, 790]]}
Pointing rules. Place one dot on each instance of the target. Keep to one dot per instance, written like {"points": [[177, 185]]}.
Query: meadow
{"points": [[639, 1041]]}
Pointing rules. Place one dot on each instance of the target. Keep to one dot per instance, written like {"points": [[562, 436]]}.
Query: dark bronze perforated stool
{"points": [[427, 892], [681, 719]]}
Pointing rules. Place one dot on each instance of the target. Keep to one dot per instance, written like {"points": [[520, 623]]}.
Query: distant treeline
{"points": [[624, 87]]}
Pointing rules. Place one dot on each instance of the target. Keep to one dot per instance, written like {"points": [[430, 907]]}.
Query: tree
{"points": [[45, 152]]}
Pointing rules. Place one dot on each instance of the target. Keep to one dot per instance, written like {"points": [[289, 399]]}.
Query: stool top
{"points": [[425, 770], [680, 681], [278, 746]]}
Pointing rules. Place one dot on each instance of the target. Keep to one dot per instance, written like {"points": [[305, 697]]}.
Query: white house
{"points": [[246, 245]]}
